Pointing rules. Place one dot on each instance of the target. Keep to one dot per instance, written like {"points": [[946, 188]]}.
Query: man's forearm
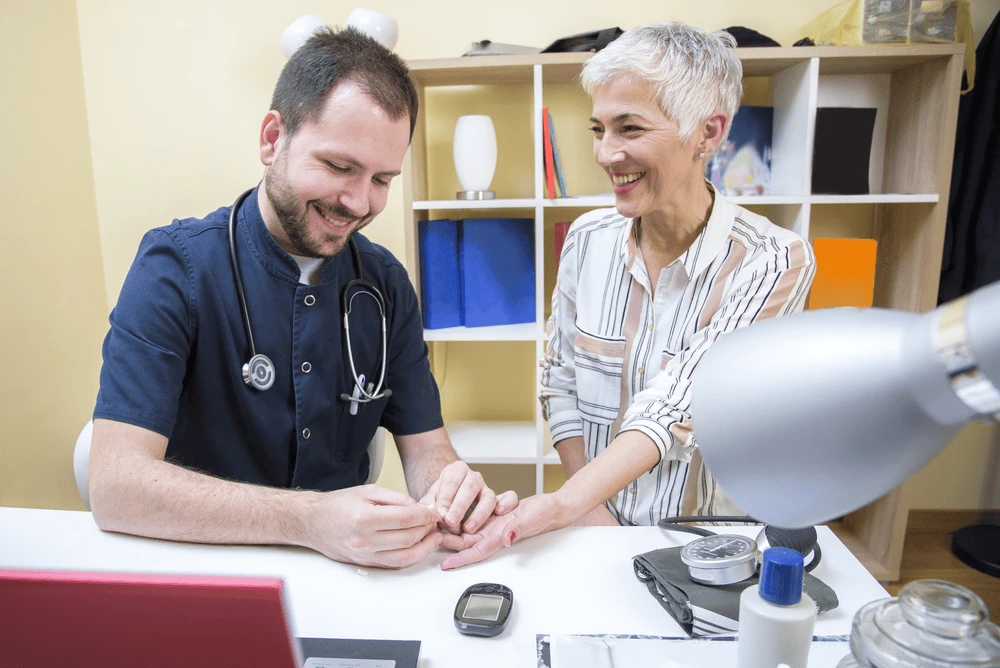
{"points": [[151, 497], [424, 456]]}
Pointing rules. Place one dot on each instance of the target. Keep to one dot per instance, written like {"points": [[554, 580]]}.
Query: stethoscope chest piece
{"points": [[258, 373]]}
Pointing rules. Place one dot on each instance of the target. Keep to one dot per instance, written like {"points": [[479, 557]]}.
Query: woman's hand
{"points": [[533, 516]]}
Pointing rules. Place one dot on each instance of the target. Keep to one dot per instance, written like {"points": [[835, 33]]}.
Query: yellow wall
{"points": [[175, 92], [51, 275]]}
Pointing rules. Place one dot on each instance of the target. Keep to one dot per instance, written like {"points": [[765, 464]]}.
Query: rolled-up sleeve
{"points": [[558, 393], [774, 284], [147, 347]]}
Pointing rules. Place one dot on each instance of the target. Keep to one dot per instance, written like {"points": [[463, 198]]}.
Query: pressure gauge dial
{"points": [[721, 559]]}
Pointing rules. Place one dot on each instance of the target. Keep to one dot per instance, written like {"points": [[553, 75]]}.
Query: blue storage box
{"points": [[440, 279], [497, 264]]}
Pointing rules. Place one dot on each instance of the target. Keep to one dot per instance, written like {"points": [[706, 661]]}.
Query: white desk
{"points": [[577, 580]]}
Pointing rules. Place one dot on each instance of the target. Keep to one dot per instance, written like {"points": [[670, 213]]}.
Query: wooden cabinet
{"points": [[914, 88]]}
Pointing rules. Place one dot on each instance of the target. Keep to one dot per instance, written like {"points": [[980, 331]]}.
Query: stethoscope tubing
{"points": [[363, 394]]}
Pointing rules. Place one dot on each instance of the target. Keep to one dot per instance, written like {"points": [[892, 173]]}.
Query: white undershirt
{"points": [[309, 268]]}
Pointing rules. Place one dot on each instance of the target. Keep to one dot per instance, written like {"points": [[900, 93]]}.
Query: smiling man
{"points": [[253, 353]]}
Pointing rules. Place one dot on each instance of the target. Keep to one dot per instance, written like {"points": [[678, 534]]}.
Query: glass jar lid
{"points": [[932, 624]]}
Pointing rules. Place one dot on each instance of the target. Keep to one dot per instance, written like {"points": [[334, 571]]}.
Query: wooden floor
{"points": [[927, 554]]}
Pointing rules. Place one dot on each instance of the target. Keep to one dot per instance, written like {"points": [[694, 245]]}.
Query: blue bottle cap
{"points": [[781, 576]]}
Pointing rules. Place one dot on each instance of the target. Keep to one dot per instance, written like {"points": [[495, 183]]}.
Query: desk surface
{"points": [[577, 580]]}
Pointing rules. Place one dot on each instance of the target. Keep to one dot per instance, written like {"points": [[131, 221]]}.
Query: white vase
{"points": [[381, 28], [299, 31], [475, 152]]}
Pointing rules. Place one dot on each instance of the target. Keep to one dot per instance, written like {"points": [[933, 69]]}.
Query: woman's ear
{"points": [[272, 137], [712, 131]]}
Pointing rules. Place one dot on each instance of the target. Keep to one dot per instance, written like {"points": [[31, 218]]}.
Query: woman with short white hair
{"points": [[645, 288]]}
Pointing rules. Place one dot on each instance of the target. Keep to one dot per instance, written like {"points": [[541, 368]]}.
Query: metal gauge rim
{"points": [[723, 569]]}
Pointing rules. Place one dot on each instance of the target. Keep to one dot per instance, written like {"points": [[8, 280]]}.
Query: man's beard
{"points": [[293, 221]]}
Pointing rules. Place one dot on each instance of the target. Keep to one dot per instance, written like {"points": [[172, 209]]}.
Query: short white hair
{"points": [[693, 72]]}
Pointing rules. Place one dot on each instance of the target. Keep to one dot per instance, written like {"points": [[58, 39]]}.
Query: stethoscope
{"points": [[258, 373]]}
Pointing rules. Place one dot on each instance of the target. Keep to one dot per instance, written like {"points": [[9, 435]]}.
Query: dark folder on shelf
{"points": [[842, 150], [440, 278], [497, 271]]}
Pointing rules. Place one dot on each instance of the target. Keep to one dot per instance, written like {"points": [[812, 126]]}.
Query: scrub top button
{"points": [[309, 300], [306, 367], [306, 433]]}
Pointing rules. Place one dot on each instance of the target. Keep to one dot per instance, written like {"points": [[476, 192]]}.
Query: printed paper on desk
{"points": [[618, 651], [314, 662]]}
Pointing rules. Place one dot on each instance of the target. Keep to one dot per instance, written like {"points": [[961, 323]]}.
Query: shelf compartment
{"points": [[494, 442], [509, 105]]}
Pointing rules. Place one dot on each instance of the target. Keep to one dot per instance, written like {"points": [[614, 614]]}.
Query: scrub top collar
{"points": [[273, 257]]}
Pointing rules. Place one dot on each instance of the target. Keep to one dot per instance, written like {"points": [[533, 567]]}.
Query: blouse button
{"points": [[306, 367], [309, 300], [306, 433]]}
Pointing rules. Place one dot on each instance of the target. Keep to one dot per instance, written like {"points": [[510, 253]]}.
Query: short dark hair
{"points": [[330, 57]]}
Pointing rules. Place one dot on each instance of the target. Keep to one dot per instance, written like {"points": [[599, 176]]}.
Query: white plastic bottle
{"points": [[776, 618]]}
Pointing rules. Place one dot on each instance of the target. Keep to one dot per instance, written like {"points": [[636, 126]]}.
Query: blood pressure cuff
{"points": [[706, 610]]}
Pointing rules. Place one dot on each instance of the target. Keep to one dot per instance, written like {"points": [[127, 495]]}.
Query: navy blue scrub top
{"points": [[174, 355]]}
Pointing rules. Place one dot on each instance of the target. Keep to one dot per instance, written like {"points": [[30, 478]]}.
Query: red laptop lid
{"points": [[154, 621]]}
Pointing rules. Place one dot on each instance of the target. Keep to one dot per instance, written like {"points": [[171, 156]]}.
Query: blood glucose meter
{"points": [[483, 609]]}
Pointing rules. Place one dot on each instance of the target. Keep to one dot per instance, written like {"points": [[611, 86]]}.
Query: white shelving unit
{"points": [[914, 88]]}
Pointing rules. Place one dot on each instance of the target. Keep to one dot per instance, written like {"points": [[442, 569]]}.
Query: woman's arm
{"points": [[557, 391], [658, 423]]}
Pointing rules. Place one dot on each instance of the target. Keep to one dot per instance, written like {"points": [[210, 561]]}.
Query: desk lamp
{"points": [[805, 418]]}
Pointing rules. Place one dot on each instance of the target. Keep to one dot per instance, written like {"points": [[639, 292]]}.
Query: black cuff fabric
{"points": [[706, 610]]}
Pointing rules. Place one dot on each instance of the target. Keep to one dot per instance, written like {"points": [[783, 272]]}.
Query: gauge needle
{"points": [[714, 551]]}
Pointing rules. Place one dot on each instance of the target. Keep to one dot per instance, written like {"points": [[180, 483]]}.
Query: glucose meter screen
{"points": [[483, 607]]}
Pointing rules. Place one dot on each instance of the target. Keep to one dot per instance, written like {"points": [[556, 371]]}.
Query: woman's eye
{"points": [[338, 168], [631, 128], [596, 130]]}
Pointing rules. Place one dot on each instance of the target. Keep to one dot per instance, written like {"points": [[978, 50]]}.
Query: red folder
{"points": [[550, 174], [154, 621]]}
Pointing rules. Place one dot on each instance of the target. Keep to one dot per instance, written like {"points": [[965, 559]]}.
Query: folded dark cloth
{"points": [[750, 37], [706, 610]]}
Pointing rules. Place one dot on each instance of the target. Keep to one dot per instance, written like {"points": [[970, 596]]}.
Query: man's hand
{"points": [[534, 515], [458, 490], [372, 526]]}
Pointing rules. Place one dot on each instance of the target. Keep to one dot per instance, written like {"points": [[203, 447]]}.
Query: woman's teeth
{"points": [[625, 179]]}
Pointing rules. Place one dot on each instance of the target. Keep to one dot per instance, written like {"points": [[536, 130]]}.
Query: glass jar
{"points": [[931, 625]]}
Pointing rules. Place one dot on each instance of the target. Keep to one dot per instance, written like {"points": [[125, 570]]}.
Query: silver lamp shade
{"points": [[805, 418]]}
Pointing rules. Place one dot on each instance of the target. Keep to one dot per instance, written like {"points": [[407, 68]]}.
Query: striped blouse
{"points": [[620, 358]]}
